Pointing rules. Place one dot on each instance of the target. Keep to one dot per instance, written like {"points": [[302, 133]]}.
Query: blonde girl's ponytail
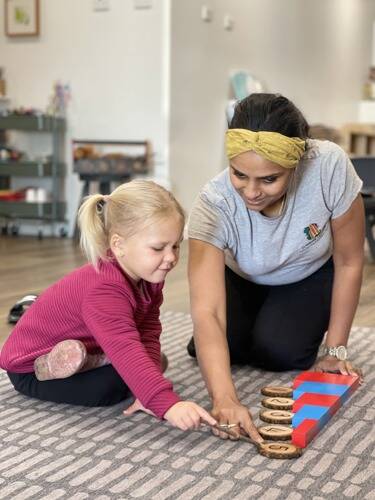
{"points": [[92, 223]]}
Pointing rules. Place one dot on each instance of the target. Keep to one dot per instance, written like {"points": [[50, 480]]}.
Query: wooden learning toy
{"points": [[276, 416], [278, 403], [274, 391], [279, 450], [276, 432], [317, 396], [273, 449]]}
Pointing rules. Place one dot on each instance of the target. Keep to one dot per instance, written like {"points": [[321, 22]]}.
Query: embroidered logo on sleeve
{"points": [[312, 231]]}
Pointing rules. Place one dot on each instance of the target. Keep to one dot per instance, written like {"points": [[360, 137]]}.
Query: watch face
{"points": [[341, 353]]}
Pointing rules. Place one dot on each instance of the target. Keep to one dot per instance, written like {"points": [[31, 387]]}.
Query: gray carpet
{"points": [[75, 453]]}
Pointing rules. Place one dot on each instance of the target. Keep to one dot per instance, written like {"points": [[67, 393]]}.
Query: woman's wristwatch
{"points": [[340, 352]]}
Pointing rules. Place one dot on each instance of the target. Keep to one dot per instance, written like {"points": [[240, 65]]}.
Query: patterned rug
{"points": [[75, 453]]}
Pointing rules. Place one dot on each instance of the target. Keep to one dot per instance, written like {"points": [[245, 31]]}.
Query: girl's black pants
{"points": [[99, 387]]}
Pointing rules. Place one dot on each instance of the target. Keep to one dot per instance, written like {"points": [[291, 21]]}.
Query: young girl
{"points": [[92, 338]]}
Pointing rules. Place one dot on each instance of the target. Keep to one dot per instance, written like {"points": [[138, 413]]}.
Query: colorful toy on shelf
{"points": [[317, 396], [10, 154], [12, 194], [22, 111], [59, 99]]}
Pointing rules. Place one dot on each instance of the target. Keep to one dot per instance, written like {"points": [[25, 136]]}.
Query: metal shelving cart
{"points": [[49, 212], [105, 170]]}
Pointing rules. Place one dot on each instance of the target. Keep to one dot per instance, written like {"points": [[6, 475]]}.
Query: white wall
{"points": [[116, 63], [316, 53], [131, 71]]}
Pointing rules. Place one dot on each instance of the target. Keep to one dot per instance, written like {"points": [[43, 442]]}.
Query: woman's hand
{"points": [[187, 415], [136, 406], [332, 364], [233, 412]]}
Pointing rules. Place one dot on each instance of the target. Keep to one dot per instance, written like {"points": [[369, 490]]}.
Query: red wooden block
{"points": [[305, 432], [327, 378], [333, 402]]}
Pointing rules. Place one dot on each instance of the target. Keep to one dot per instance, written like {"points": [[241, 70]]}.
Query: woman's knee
{"points": [[239, 349]]}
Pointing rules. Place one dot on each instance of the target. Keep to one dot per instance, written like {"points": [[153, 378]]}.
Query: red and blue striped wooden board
{"points": [[317, 396]]}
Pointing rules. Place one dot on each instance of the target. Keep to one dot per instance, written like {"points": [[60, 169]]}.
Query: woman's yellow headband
{"points": [[283, 150]]}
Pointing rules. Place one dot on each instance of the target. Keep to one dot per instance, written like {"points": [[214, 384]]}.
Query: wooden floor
{"points": [[28, 265]]}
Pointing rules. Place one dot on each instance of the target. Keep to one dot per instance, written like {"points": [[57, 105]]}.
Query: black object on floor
{"points": [[20, 308], [191, 348]]}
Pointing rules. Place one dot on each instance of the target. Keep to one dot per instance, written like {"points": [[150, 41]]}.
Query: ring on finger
{"points": [[227, 426]]}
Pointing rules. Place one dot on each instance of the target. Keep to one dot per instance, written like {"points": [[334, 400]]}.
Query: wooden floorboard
{"points": [[28, 265]]}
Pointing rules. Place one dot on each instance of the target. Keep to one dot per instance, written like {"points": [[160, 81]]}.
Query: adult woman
{"points": [[276, 253]]}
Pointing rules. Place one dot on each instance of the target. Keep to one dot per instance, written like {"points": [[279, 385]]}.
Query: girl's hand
{"points": [[187, 415], [232, 412], [332, 364], [137, 406]]}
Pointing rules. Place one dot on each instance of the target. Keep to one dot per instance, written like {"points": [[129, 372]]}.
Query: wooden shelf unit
{"points": [[359, 139]]}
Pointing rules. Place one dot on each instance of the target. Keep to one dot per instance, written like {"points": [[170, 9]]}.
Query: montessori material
{"points": [[276, 390], [278, 403], [317, 397], [279, 450], [276, 432], [276, 416], [273, 449]]}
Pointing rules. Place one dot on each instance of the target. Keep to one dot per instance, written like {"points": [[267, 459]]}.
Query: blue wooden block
{"points": [[322, 388], [319, 413]]}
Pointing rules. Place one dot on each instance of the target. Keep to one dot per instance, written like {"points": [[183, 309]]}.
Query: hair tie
{"points": [[100, 204]]}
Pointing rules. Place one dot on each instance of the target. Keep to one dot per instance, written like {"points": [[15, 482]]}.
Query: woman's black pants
{"points": [[277, 328]]}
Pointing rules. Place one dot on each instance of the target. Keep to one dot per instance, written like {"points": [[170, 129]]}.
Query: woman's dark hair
{"points": [[270, 113]]}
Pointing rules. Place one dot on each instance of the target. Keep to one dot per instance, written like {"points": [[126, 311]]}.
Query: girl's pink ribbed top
{"points": [[108, 312]]}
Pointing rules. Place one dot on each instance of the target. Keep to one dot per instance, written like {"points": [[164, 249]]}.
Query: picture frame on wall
{"points": [[21, 17]]}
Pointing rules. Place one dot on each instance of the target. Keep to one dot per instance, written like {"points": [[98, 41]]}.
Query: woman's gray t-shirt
{"points": [[292, 246]]}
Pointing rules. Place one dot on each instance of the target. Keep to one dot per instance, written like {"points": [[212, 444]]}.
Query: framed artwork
{"points": [[21, 17]]}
